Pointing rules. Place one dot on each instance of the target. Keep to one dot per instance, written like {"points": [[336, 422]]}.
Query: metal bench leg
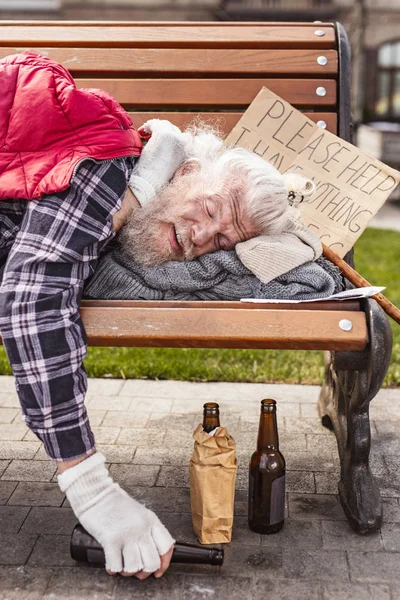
{"points": [[352, 380]]}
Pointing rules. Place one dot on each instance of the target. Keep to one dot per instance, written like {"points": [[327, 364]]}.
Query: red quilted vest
{"points": [[47, 126]]}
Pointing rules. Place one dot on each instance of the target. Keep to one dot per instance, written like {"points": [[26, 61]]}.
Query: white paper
{"points": [[364, 292]]}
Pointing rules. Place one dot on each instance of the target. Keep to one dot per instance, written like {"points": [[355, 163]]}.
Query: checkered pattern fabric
{"points": [[48, 248]]}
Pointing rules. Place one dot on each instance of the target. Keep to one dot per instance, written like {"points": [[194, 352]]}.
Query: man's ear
{"points": [[188, 167]]}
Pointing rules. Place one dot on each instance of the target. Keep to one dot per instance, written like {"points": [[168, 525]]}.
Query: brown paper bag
{"points": [[213, 470]]}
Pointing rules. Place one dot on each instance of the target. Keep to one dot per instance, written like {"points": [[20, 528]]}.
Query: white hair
{"points": [[266, 189]]}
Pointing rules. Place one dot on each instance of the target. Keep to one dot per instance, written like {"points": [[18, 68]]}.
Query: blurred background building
{"points": [[373, 27]]}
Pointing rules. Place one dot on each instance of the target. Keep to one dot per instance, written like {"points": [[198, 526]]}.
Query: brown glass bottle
{"points": [[85, 548], [210, 416], [267, 476]]}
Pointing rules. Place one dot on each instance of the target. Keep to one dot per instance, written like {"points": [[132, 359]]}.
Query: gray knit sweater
{"points": [[218, 276]]}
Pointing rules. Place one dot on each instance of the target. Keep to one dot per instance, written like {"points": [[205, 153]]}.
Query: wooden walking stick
{"points": [[359, 281]]}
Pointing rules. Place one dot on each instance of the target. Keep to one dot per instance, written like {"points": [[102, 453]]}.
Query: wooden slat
{"points": [[242, 24], [168, 36], [225, 121], [224, 328], [229, 305], [205, 62], [210, 92]]}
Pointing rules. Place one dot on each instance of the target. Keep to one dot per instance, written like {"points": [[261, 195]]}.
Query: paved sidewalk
{"points": [[144, 428]]}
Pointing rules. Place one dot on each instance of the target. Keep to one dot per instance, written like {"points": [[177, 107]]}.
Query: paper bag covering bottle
{"points": [[213, 470], [267, 476]]}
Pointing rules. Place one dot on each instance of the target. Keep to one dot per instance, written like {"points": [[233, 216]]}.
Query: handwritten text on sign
{"points": [[350, 185]]}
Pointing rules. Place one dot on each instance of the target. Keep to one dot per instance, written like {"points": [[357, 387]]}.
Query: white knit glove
{"points": [[132, 536], [160, 158]]}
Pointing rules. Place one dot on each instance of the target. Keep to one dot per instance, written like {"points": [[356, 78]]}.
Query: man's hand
{"points": [[134, 540], [160, 158]]}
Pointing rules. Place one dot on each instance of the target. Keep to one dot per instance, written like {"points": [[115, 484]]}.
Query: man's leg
{"points": [[54, 252]]}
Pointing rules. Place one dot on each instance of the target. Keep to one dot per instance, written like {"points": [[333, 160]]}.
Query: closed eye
{"points": [[210, 208]]}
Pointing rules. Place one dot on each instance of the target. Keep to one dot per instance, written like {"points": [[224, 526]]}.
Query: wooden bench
{"points": [[178, 71]]}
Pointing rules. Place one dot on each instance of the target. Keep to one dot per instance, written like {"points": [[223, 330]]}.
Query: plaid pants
{"points": [[48, 248]]}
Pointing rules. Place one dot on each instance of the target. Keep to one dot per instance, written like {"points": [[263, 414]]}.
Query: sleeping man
{"points": [[70, 178]]}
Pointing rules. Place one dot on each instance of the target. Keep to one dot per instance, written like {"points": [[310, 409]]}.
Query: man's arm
{"points": [[129, 204]]}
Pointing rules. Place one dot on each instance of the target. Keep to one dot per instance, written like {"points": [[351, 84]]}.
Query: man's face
{"points": [[187, 219]]}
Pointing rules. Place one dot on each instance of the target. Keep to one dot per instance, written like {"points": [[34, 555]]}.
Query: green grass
{"points": [[377, 257]]}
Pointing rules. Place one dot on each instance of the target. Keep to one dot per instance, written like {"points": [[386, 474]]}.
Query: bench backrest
{"points": [[170, 69]]}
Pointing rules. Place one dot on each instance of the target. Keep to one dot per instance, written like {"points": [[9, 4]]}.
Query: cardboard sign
{"points": [[350, 185]]}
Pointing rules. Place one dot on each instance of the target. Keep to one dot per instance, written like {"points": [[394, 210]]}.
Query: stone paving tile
{"points": [[305, 425], [315, 506], [12, 518], [294, 442], [115, 418], [374, 567], [391, 536], [309, 411], [23, 470], [23, 583], [318, 565], [152, 405], [49, 520], [295, 534], [300, 481], [178, 439], [179, 525], [7, 384], [321, 444], [286, 589], [30, 436], [327, 483], [15, 548], [242, 535], [173, 477], [7, 415], [175, 422], [253, 561], [41, 454], [130, 476], [96, 417], [241, 503], [117, 454], [74, 581], [143, 438], [36, 494], [234, 588], [338, 535], [6, 489], [347, 591], [3, 466], [162, 456], [12, 431], [51, 551], [106, 435], [106, 403], [104, 387], [22, 450], [391, 510], [161, 499], [9, 400], [169, 587], [307, 461]]}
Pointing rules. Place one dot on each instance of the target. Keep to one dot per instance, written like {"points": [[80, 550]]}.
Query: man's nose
{"points": [[202, 234]]}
